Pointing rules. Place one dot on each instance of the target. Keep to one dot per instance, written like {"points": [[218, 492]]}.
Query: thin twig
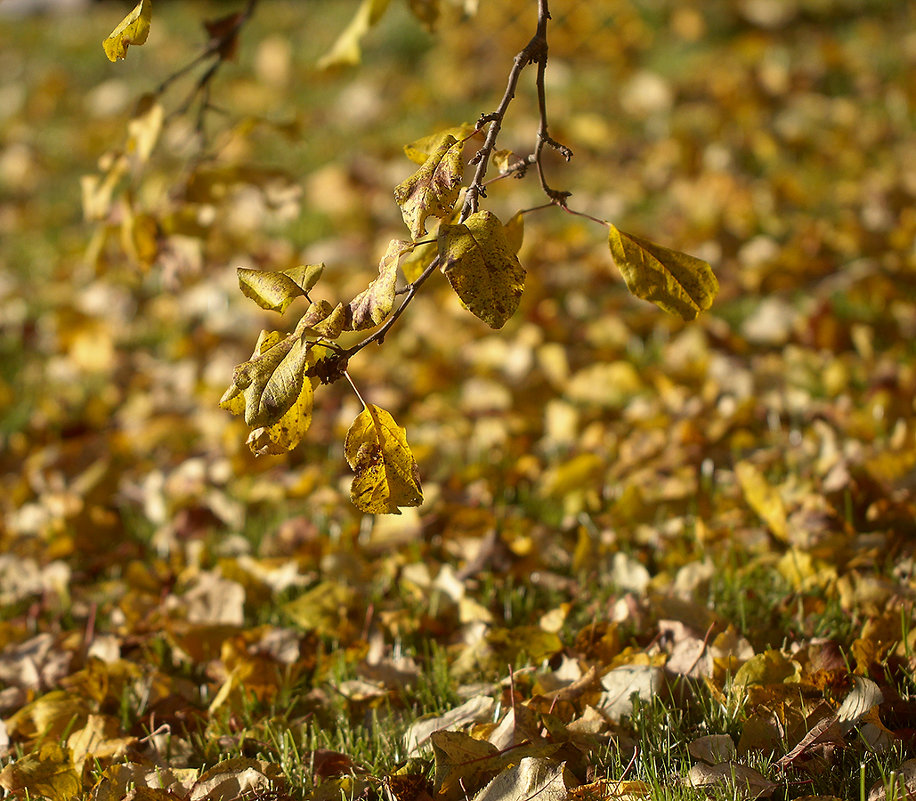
{"points": [[215, 49], [379, 335], [544, 137]]}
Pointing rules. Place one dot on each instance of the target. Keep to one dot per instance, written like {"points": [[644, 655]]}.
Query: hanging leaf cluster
{"points": [[475, 251]]}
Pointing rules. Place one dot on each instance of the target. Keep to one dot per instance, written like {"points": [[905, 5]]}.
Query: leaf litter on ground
{"points": [[652, 559]]}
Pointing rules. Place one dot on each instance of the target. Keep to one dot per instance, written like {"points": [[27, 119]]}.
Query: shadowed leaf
{"points": [[371, 306]]}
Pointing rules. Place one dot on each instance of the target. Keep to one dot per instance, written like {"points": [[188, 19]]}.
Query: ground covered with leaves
{"points": [[654, 560]]}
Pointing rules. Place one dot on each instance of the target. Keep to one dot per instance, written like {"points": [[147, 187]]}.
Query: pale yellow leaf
{"points": [[346, 51], [421, 149]]}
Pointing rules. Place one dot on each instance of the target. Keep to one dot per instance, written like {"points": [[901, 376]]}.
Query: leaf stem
{"points": [[353, 386]]}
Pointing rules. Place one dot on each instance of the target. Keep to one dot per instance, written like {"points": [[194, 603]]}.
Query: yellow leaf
{"points": [[371, 306], [433, 189], [274, 291], [414, 265], [423, 148], [770, 667], [387, 476], [134, 29], [764, 499], [515, 232], [482, 269], [49, 772], [673, 281], [325, 609], [346, 51]]}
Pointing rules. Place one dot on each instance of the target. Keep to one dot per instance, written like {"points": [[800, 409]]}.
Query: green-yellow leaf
{"points": [[274, 291], [387, 475], [423, 148], [673, 281], [266, 386], [433, 189], [325, 609], [371, 306], [346, 51], [134, 29], [482, 268], [288, 431]]}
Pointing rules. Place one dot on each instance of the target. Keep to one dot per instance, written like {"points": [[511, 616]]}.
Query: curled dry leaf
{"points": [[433, 189]]}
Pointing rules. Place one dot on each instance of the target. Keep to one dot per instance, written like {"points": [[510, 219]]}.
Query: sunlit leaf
{"points": [[474, 710], [433, 189], [673, 281], [133, 29], [238, 777], [421, 149], [371, 306], [47, 772], [276, 290], [387, 476], [346, 50], [418, 260], [763, 498], [482, 268], [543, 779], [741, 780]]}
